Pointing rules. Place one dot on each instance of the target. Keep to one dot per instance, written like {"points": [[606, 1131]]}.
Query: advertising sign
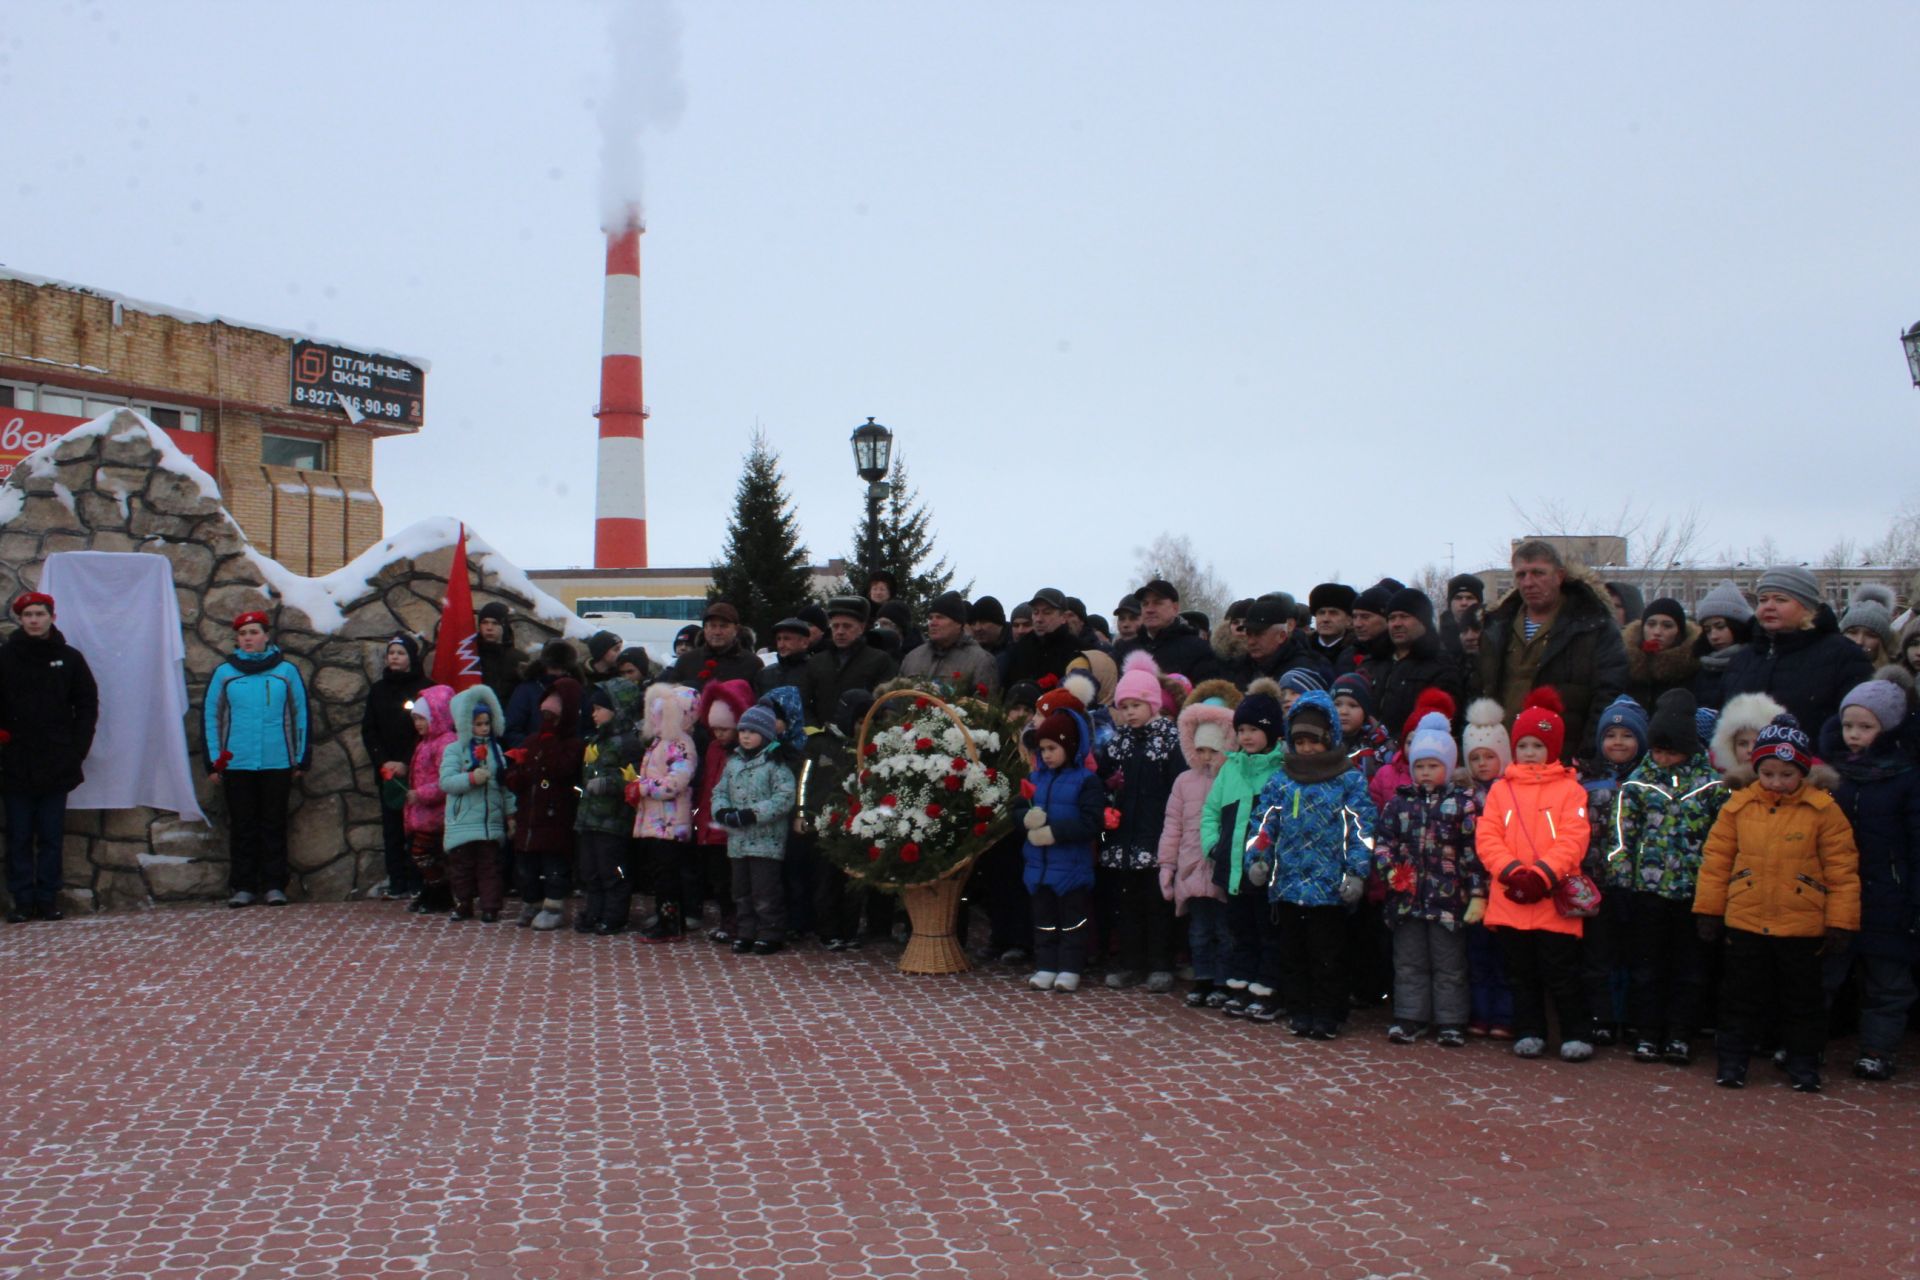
{"points": [[382, 389]]}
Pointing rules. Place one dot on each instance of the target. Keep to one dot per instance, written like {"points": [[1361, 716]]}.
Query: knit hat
{"points": [[1540, 717], [1331, 595], [493, 611], [1469, 583], [1672, 727], [1356, 686], [1414, 602], [950, 604], [1023, 693], [1666, 607], [1262, 711], [27, 599], [1623, 713], [597, 696], [792, 627], [1882, 698], [601, 643], [1302, 680], [1061, 727], [987, 609], [848, 607], [1211, 733], [1021, 613], [896, 612], [637, 656], [1872, 608], [1141, 680], [1724, 601], [1433, 740], [1705, 721], [1784, 740], [402, 639], [1486, 728], [689, 633], [1374, 598], [759, 719], [1314, 715], [1791, 580]]}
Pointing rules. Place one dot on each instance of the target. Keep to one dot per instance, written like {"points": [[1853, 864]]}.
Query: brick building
{"points": [[293, 455]]}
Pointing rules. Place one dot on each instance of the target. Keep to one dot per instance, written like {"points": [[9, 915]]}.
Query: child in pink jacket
{"points": [[1186, 873], [662, 798], [425, 814]]}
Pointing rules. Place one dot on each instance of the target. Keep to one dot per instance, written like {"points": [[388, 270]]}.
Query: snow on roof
{"points": [[323, 599], [194, 317]]}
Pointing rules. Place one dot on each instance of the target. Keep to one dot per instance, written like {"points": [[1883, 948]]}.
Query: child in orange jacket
{"points": [[1781, 879], [1532, 834]]}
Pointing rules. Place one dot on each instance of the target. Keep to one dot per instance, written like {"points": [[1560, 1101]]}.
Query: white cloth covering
{"points": [[119, 610]]}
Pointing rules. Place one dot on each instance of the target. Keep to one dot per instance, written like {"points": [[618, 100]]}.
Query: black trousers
{"points": [[1369, 948], [1664, 1001], [1772, 984], [257, 828], [1144, 920], [544, 875], [605, 861], [401, 877], [1060, 926], [1313, 944], [1255, 957], [1543, 963], [799, 871], [1606, 950], [995, 884]]}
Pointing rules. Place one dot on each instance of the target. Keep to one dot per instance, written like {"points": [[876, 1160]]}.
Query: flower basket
{"points": [[930, 791]]}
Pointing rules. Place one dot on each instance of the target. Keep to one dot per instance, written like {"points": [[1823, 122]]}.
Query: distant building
{"points": [[670, 594], [284, 423]]}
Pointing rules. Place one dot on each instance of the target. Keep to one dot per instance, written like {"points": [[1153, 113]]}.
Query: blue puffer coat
{"points": [[256, 709], [1075, 805], [1879, 792], [475, 813], [1316, 820]]}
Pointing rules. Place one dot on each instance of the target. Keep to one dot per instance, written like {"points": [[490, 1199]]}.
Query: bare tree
{"points": [[1843, 554], [1655, 547], [1900, 545], [1171, 556]]}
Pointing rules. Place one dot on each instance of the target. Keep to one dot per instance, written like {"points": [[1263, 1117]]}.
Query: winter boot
{"points": [[240, 899], [276, 898], [1197, 998], [552, 914]]}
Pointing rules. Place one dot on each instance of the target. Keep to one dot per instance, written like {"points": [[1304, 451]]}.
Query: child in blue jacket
{"points": [[1313, 848], [1064, 814]]}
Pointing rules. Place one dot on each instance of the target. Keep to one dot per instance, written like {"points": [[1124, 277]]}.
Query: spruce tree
{"points": [[763, 567], [906, 546]]}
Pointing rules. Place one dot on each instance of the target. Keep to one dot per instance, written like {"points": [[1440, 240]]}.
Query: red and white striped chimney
{"points": [[620, 491]]}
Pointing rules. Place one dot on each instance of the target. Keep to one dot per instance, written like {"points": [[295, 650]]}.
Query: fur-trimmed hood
{"points": [[460, 709], [1748, 711], [1191, 718], [1224, 692], [1228, 645], [668, 708], [1671, 666]]}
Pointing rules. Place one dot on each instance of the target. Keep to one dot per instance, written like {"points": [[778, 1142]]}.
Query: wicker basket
{"points": [[932, 905]]}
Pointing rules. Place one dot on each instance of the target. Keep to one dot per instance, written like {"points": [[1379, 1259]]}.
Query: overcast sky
{"points": [[1326, 287]]}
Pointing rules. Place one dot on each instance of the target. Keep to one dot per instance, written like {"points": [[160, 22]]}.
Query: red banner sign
{"points": [[22, 431]]}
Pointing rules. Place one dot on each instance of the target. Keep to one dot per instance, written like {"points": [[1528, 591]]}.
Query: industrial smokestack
{"points": [[620, 492]]}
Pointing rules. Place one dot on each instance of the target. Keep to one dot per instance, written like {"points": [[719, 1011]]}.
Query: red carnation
{"points": [[1048, 681], [953, 782], [873, 853], [853, 806], [922, 744], [1111, 817], [979, 829], [978, 689], [934, 811], [983, 811], [909, 852], [993, 775], [957, 764], [1026, 788], [1402, 879], [888, 800], [865, 774], [921, 704], [957, 675], [871, 749]]}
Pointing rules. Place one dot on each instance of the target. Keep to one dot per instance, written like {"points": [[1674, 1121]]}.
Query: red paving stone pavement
{"points": [[347, 1091]]}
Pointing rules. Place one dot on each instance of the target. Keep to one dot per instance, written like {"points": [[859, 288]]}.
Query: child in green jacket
{"points": [[1253, 964]]}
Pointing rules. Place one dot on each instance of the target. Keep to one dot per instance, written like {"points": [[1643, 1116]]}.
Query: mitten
{"points": [[1838, 942], [1036, 819], [1524, 885], [744, 818], [1476, 911], [1040, 837], [1352, 888], [1708, 927], [724, 817], [1110, 818], [1258, 873]]}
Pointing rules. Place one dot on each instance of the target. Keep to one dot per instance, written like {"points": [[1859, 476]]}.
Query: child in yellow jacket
{"points": [[1780, 878]]}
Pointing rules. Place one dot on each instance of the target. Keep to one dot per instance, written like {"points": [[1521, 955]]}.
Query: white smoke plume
{"points": [[645, 93]]}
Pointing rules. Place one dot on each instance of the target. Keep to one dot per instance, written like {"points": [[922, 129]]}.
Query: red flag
{"points": [[456, 650]]}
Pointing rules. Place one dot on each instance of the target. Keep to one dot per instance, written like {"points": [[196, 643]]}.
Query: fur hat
{"points": [[1791, 580], [1261, 709], [1672, 727], [1623, 713], [1374, 598], [1413, 602], [848, 607], [1356, 686], [1744, 713], [1469, 583], [1888, 697], [1219, 693], [1872, 608], [1062, 728], [1140, 681], [1486, 729], [1784, 740], [1331, 595], [1724, 601], [1541, 717], [1432, 739]]}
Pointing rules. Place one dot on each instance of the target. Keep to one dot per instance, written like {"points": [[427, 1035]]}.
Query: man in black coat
{"points": [[1274, 647], [1555, 628], [1177, 648], [49, 706], [500, 662], [387, 732], [719, 655], [1048, 648], [850, 662], [1332, 641], [1415, 663], [789, 667]]}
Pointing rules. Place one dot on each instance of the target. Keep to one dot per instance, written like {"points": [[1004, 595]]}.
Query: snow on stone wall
{"points": [[118, 484]]}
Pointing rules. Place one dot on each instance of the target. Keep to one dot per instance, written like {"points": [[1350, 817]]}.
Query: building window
{"points": [[293, 451], [15, 397], [172, 419], [60, 402], [669, 608]]}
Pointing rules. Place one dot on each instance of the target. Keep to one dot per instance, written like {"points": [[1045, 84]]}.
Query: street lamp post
{"points": [[872, 457], [1911, 341]]}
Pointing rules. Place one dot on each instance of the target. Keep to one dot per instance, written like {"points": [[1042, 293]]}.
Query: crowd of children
{"points": [[1680, 872]]}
